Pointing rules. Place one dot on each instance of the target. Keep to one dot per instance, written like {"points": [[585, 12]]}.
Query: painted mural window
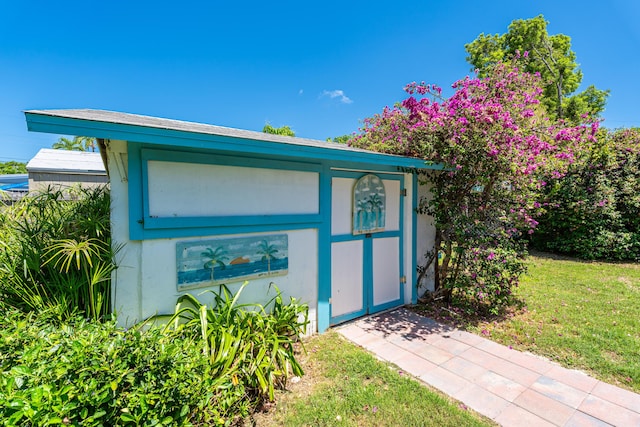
{"points": [[226, 260], [369, 205]]}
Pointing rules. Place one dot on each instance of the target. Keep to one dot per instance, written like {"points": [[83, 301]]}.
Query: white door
{"points": [[366, 272]]}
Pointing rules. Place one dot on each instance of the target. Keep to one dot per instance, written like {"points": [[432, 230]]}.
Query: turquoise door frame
{"points": [[368, 305]]}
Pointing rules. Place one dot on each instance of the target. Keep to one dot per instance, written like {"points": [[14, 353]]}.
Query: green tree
{"points": [[343, 139], [216, 258], [268, 252], [13, 167], [77, 143], [528, 41], [592, 211], [284, 130]]}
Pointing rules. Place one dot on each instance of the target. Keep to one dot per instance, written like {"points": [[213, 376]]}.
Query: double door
{"points": [[366, 267]]}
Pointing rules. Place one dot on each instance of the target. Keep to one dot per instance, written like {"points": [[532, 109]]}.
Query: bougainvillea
{"points": [[493, 139]]}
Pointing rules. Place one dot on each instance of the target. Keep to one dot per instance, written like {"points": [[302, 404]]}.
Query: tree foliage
{"points": [[342, 139], [283, 130], [593, 211], [550, 56], [12, 167], [493, 139], [77, 143]]}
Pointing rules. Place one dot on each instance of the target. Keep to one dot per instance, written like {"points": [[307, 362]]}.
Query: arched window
{"points": [[369, 205]]}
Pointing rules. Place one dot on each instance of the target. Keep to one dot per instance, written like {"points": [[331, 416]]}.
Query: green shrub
{"points": [[92, 374], [492, 291], [592, 212], [55, 253], [214, 368]]}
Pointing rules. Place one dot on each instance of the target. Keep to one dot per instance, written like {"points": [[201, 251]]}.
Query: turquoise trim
{"points": [[142, 223], [186, 139], [349, 316], [228, 221], [414, 239], [378, 235], [402, 237], [367, 274], [167, 154], [358, 174], [135, 194], [324, 252], [219, 231]]}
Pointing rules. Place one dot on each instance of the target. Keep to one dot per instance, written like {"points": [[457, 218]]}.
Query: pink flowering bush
{"points": [[593, 211], [493, 139]]}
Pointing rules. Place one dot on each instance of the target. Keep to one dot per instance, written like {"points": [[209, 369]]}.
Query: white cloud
{"points": [[337, 94]]}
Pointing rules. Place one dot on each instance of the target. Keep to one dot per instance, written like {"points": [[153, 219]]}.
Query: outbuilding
{"points": [[196, 205], [52, 169]]}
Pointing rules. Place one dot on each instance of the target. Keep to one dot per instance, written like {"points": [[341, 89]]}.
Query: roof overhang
{"points": [[167, 132]]}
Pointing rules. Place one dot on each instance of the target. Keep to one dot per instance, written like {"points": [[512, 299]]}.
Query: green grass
{"points": [[344, 385], [584, 315]]}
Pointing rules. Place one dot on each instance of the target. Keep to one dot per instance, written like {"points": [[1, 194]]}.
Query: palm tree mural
{"points": [[216, 258], [268, 253], [376, 206], [361, 207]]}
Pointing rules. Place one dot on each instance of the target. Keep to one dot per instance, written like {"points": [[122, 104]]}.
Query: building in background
{"points": [[13, 187], [60, 169]]}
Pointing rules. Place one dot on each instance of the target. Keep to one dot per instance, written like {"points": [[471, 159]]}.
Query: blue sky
{"points": [[319, 67]]}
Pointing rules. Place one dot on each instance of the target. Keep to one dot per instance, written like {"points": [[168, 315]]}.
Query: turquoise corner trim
{"points": [[135, 185], [324, 252], [414, 239]]}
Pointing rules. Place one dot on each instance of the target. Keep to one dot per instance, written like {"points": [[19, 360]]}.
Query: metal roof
{"points": [[66, 161]]}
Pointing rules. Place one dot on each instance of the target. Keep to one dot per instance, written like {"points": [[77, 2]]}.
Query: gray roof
{"points": [[158, 131], [179, 125], [66, 161]]}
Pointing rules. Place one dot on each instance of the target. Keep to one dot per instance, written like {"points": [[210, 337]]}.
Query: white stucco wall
{"points": [[145, 282], [229, 190], [425, 241]]}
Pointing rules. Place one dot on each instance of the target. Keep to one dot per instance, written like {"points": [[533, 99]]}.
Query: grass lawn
{"points": [[584, 315], [344, 385]]}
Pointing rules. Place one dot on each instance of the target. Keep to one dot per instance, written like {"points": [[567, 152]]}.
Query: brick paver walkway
{"points": [[508, 386]]}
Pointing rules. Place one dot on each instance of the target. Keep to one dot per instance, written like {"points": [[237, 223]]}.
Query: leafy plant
{"points": [[592, 211], [56, 253], [96, 374], [250, 345]]}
